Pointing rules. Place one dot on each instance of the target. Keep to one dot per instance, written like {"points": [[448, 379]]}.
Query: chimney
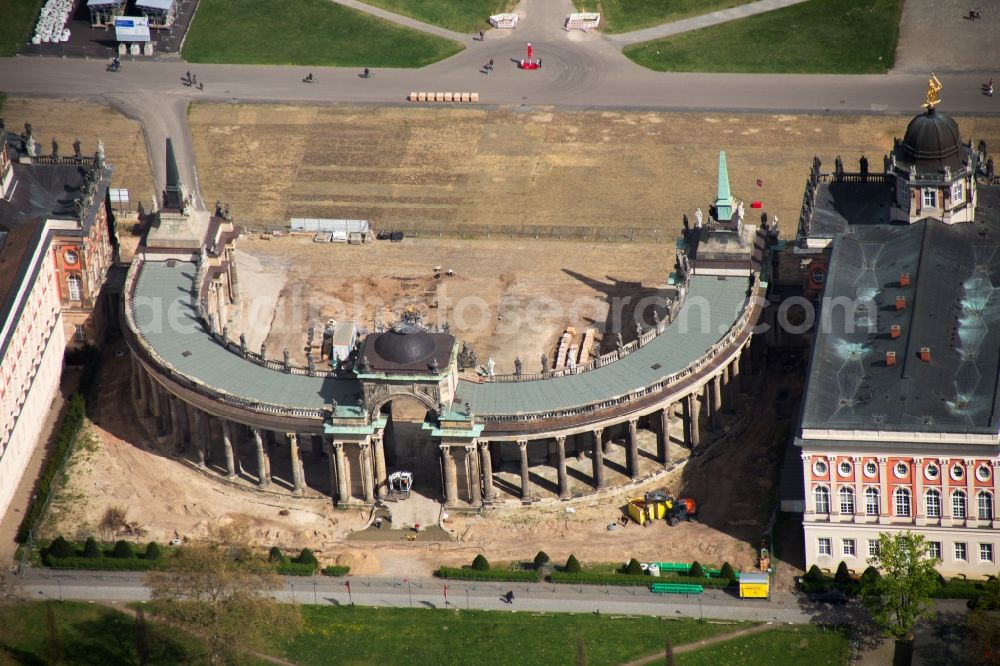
{"points": [[904, 279], [895, 331], [890, 358], [925, 354], [901, 302]]}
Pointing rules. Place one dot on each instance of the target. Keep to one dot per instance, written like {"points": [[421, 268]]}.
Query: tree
{"points": [[221, 592], [869, 576], [726, 572], [696, 571], [307, 557], [61, 548], [480, 563], [153, 551], [633, 568], [275, 555], [90, 548], [123, 550], [901, 595], [814, 575], [572, 565], [541, 559], [842, 580]]}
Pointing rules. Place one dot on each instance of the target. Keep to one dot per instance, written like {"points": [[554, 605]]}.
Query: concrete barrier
{"points": [[443, 97]]}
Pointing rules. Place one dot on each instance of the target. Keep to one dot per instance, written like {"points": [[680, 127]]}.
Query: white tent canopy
{"points": [[132, 29]]}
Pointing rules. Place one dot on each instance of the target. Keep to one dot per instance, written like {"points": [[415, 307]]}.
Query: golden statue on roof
{"points": [[933, 88]]}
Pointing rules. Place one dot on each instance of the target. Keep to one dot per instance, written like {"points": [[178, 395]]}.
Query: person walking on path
{"points": [[482, 35]]}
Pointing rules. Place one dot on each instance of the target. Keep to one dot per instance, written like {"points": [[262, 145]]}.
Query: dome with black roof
{"points": [[932, 136], [404, 344]]}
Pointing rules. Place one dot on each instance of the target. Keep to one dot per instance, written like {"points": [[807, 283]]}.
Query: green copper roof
{"points": [[723, 200]]}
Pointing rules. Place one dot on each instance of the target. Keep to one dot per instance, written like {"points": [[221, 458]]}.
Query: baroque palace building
{"points": [[250, 416], [900, 418], [55, 252]]}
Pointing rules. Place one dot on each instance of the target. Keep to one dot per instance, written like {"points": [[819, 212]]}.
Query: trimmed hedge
{"points": [[306, 557], [296, 569], [62, 446], [458, 573], [959, 590], [99, 564], [585, 578], [334, 570]]}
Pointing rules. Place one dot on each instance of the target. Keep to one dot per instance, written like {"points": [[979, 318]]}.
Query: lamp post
{"points": [[315, 597], [59, 582]]}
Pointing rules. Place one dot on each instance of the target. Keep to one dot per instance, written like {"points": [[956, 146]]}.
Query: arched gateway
{"points": [[199, 389]]}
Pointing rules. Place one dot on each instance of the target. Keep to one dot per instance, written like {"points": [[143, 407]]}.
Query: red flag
{"points": [[529, 51], [756, 204]]}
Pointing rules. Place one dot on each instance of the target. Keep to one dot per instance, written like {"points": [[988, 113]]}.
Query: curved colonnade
{"points": [[200, 392]]}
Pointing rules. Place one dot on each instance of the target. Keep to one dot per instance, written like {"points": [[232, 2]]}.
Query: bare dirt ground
{"points": [[468, 170], [68, 120], [507, 298]]}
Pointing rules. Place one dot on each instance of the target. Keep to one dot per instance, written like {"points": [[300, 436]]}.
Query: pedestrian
{"points": [[188, 76], [378, 523], [491, 64], [509, 596], [481, 35], [201, 86], [194, 79]]}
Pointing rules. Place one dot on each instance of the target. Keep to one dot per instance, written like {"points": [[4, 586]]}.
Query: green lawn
{"points": [[305, 32], [469, 16], [18, 19], [802, 645], [373, 636], [815, 37], [86, 634], [627, 15]]}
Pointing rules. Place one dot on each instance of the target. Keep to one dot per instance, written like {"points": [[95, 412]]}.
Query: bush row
{"points": [[460, 573], [296, 569], [335, 570], [589, 578], [958, 589], [71, 422], [99, 563]]}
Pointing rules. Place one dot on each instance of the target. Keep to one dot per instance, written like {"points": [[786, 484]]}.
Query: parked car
{"points": [[829, 597]]}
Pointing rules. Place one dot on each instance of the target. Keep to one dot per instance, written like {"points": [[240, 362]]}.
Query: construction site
{"points": [[514, 236]]}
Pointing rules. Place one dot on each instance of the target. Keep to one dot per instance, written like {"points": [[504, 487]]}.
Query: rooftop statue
{"points": [[933, 88]]}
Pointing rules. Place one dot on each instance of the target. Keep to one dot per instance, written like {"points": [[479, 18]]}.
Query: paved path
{"points": [[705, 642], [698, 22]]}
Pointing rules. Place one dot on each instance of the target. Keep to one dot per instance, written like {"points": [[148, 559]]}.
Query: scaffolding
{"points": [[104, 12], [159, 13]]}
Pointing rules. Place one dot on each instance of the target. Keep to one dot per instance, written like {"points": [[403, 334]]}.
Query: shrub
{"points": [[98, 564], [958, 590], [870, 576], [696, 571], [334, 570], [842, 579], [296, 569], [91, 549], [123, 550], [153, 551], [480, 563], [814, 575], [275, 555], [541, 559], [589, 578], [727, 571], [572, 565], [307, 557], [61, 548], [633, 568], [456, 573]]}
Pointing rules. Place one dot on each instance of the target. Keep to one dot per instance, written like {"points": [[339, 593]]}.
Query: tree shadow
{"points": [[111, 639]]}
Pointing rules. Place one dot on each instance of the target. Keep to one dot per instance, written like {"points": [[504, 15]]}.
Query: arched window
{"points": [[985, 502], [75, 287], [958, 504], [822, 496], [871, 502], [847, 501], [902, 502], [932, 500]]}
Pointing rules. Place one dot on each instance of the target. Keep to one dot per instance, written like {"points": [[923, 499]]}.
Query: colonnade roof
{"points": [[166, 317]]}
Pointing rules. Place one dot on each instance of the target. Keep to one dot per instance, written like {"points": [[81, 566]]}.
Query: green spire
{"points": [[723, 201]]}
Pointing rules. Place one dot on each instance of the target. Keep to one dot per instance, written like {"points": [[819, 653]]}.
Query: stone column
{"points": [[486, 465], [525, 481], [448, 471], [134, 377], [156, 406], [996, 493], [859, 490], [883, 492], [971, 503], [380, 470], [715, 401], [810, 498], [364, 450], [663, 436], [693, 409], [561, 463], [298, 482], [632, 461], [919, 505], [598, 459], [341, 472], [175, 423], [139, 388], [198, 433], [732, 393], [738, 375], [472, 458], [263, 476], [227, 444]]}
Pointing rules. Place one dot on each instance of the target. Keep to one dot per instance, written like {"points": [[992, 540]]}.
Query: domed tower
{"points": [[933, 171]]}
